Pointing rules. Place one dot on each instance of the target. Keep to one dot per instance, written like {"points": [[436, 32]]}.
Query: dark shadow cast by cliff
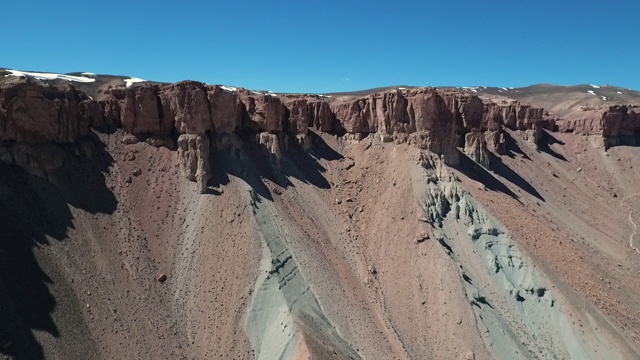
{"points": [[545, 142], [243, 158], [239, 156], [304, 164], [34, 211], [321, 149], [504, 171], [476, 172], [511, 147]]}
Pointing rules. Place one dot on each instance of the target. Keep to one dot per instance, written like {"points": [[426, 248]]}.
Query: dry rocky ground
{"points": [[373, 232]]}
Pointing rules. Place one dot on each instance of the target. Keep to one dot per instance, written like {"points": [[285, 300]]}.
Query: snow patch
{"points": [[88, 74], [50, 76], [620, 92], [591, 92], [132, 80], [401, 88], [594, 86], [505, 89], [229, 88], [604, 98]]}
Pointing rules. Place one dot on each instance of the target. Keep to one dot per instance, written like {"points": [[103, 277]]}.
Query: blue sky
{"points": [[324, 46]]}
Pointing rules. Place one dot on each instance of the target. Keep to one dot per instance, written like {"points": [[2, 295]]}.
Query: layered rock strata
{"points": [[34, 112], [618, 125]]}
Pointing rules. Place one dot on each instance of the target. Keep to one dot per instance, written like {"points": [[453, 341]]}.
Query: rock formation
{"points": [[33, 112], [193, 151], [475, 147], [617, 124]]}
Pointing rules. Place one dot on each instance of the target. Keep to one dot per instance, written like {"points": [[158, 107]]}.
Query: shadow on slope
{"points": [[241, 157], [504, 171], [474, 171], [33, 212], [512, 148], [548, 139]]}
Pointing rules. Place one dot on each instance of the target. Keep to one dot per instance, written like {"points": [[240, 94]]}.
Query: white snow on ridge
{"points": [[620, 92], [229, 88], [50, 76], [505, 89], [132, 80], [591, 92], [594, 86], [88, 74]]}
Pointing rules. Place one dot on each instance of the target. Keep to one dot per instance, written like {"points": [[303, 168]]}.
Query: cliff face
{"points": [[35, 112], [618, 124]]}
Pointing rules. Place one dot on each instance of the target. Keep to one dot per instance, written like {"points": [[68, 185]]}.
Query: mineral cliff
{"points": [[190, 220]]}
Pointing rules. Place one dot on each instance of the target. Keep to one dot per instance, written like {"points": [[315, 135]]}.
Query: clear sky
{"points": [[325, 46]]}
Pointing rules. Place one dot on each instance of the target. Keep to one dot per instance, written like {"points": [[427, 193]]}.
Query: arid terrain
{"points": [[144, 220]]}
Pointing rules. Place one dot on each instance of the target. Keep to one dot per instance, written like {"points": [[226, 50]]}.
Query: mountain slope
{"points": [[211, 222]]}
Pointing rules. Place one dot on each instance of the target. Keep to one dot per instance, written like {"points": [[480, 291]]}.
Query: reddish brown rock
{"points": [[473, 114], [226, 110], [299, 117], [423, 113], [354, 116], [193, 152], [475, 147], [521, 117], [263, 113], [32, 114], [495, 141], [620, 121], [140, 111], [320, 115], [185, 105]]}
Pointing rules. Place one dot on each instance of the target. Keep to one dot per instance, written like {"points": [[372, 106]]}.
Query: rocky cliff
{"points": [[33, 112], [617, 124]]}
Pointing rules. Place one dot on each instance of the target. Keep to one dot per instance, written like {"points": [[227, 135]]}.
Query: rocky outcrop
{"points": [[434, 120], [140, 111], [475, 147], [621, 126], [618, 125], [185, 105], [33, 114], [193, 152], [263, 113], [226, 110]]}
